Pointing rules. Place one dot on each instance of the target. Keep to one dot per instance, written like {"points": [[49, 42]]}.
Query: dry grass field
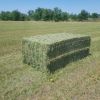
{"points": [[79, 80]]}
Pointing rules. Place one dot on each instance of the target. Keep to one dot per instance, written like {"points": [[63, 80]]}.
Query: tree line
{"points": [[43, 14]]}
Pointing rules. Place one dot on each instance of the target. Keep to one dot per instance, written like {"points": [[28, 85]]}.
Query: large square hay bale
{"points": [[52, 51]]}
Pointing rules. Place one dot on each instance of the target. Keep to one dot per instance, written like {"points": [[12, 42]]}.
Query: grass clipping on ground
{"points": [[52, 51]]}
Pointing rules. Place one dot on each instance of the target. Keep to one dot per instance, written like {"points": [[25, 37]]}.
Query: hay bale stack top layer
{"points": [[54, 38], [47, 51]]}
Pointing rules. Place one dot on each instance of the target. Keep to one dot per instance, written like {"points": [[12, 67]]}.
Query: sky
{"points": [[71, 6]]}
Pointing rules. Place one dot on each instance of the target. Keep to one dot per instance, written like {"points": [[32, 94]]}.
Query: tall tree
{"points": [[74, 17], [5, 15], [57, 14], [38, 14], [31, 14], [64, 16], [94, 15], [16, 15], [83, 15], [47, 15]]}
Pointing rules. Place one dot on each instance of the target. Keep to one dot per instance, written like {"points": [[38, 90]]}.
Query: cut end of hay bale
{"points": [[42, 51]]}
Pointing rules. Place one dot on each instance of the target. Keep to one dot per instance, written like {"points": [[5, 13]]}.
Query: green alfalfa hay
{"points": [[66, 59], [62, 47], [34, 53], [37, 53]]}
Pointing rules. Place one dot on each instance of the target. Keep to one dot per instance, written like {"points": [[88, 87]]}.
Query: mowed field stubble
{"points": [[79, 80]]}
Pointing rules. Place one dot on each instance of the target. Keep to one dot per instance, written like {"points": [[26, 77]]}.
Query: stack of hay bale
{"points": [[52, 51]]}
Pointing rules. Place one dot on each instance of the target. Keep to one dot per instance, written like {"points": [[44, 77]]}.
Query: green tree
{"points": [[23, 17], [74, 17], [16, 15], [38, 14], [2, 15], [64, 16], [94, 15], [5, 15], [31, 14], [50, 14], [47, 14], [57, 14], [83, 15]]}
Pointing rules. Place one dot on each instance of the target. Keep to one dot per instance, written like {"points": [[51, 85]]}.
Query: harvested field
{"points": [[79, 80]]}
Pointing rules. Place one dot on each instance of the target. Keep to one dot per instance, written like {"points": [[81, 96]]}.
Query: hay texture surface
{"points": [[52, 51]]}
